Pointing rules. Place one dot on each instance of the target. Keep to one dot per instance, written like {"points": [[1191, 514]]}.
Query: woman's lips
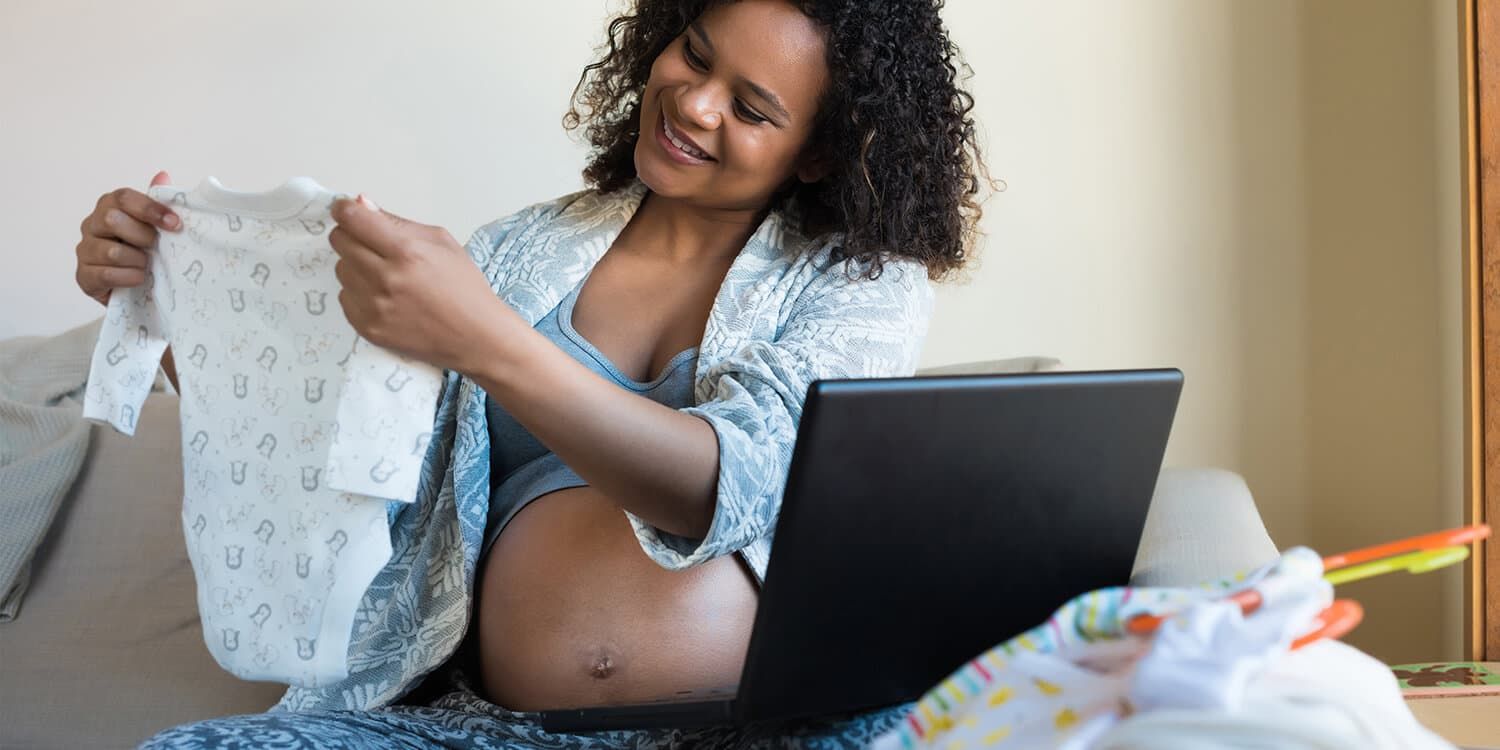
{"points": [[672, 150]]}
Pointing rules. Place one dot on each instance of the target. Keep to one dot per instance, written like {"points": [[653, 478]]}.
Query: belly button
{"points": [[603, 668]]}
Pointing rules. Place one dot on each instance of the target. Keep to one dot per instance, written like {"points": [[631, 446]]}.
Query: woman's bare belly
{"points": [[572, 612]]}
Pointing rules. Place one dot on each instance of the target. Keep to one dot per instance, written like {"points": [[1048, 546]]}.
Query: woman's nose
{"points": [[700, 106]]}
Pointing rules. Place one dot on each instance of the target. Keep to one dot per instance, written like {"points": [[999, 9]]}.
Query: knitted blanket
{"points": [[43, 440]]}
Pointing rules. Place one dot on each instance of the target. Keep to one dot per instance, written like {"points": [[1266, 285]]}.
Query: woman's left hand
{"points": [[410, 287]]}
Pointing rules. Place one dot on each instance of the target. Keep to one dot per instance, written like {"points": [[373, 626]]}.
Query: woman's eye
{"points": [[693, 60], [747, 113]]}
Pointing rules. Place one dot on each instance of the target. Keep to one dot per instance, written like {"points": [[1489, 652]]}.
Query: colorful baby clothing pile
{"points": [[296, 432], [1209, 677]]}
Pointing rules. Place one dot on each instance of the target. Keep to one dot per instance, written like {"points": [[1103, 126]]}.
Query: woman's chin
{"points": [[659, 180]]}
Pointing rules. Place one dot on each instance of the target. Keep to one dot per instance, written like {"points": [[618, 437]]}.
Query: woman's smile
{"points": [[678, 146]]}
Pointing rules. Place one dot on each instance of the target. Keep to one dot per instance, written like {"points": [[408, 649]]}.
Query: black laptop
{"points": [[926, 520]]}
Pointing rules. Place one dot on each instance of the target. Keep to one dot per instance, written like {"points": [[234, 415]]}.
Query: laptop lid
{"points": [[927, 519]]}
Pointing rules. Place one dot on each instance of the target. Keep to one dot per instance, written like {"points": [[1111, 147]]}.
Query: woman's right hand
{"points": [[116, 235]]}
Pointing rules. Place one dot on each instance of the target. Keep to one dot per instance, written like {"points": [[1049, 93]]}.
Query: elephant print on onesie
{"points": [[299, 611], [268, 566], [311, 349], [205, 397], [270, 231], [310, 437], [272, 314], [272, 484], [204, 310], [237, 345], [233, 259], [205, 482], [237, 430], [302, 523], [232, 518], [307, 262], [272, 398]]}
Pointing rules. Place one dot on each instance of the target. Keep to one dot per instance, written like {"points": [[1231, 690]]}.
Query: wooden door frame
{"points": [[1480, 64]]}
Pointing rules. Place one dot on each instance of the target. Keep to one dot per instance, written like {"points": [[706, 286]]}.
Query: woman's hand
{"points": [[410, 287], [116, 234]]}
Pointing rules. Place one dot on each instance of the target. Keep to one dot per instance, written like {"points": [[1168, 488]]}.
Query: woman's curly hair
{"points": [[894, 126]]}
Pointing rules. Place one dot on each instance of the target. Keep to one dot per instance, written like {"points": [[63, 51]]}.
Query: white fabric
{"points": [[1325, 696], [1205, 657], [295, 431], [1209, 677]]}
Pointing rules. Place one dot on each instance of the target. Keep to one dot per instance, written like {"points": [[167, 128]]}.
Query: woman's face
{"points": [[738, 92]]}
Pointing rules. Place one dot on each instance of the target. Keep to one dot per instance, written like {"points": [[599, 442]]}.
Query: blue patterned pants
{"points": [[460, 719]]}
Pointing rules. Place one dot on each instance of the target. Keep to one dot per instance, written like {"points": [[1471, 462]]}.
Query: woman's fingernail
{"points": [[367, 203], [169, 221]]}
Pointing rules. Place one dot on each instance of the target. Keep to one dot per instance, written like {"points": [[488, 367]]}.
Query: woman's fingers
{"points": [[112, 223], [143, 209], [104, 252], [96, 280], [116, 234], [105, 264]]}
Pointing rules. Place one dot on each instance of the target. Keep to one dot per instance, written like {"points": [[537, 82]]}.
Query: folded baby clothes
{"points": [[1210, 677], [296, 432]]}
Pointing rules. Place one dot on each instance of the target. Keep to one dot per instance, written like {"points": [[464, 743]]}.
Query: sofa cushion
{"points": [[108, 648], [995, 366]]}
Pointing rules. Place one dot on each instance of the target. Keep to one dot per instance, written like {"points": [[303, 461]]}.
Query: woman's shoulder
{"points": [[577, 211], [546, 209], [826, 270]]}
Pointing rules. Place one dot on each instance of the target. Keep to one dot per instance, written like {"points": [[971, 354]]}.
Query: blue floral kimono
{"points": [[784, 316]]}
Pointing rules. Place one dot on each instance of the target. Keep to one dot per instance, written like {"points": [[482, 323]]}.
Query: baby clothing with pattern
{"points": [[1210, 677], [296, 432]]}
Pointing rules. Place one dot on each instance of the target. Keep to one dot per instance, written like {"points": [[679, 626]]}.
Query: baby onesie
{"points": [[295, 430]]}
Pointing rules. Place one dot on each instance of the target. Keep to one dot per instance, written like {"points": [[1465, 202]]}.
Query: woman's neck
{"points": [[678, 231]]}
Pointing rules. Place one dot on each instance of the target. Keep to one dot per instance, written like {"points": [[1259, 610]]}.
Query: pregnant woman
{"points": [[772, 186]]}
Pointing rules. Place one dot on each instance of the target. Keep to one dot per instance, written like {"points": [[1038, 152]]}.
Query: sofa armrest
{"points": [[109, 649], [1202, 525]]}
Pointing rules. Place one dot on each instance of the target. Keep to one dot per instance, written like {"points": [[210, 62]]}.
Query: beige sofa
{"points": [[107, 649]]}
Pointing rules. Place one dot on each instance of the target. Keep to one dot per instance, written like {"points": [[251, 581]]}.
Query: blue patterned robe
{"points": [[783, 318]]}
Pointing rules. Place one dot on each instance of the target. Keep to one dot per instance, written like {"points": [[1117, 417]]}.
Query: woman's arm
{"points": [[169, 366], [656, 462]]}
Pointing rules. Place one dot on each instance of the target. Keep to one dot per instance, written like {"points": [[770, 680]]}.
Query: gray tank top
{"points": [[521, 468]]}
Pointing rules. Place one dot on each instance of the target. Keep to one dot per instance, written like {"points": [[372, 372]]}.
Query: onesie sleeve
{"points": [[127, 355], [384, 423], [838, 328]]}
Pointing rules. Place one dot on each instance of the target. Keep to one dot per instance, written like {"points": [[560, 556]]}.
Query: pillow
{"points": [[996, 366]]}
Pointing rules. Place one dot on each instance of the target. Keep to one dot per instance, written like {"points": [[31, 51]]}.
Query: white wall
{"points": [[1262, 193]]}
